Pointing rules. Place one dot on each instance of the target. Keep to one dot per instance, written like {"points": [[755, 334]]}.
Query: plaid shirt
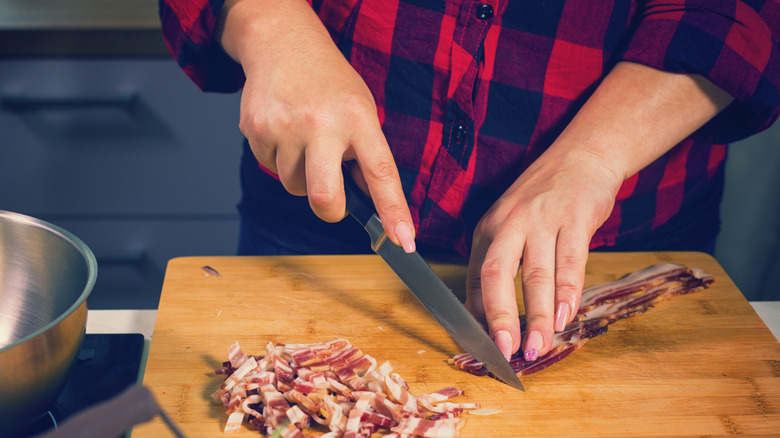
{"points": [[469, 93]]}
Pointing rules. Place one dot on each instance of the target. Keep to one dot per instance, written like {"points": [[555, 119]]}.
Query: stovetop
{"points": [[106, 365]]}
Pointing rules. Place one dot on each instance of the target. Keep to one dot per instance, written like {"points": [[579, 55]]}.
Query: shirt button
{"points": [[484, 11], [460, 133]]}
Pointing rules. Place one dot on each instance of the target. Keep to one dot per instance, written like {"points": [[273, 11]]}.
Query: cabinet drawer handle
{"points": [[21, 103]]}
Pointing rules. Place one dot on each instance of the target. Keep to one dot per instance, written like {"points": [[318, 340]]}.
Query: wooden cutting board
{"points": [[701, 364]]}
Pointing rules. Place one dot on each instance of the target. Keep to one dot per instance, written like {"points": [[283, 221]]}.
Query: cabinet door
{"points": [[115, 137]]}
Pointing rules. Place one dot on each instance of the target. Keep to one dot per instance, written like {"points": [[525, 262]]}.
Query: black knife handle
{"points": [[358, 204]]}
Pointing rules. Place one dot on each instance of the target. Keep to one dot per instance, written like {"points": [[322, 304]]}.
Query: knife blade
{"points": [[432, 292]]}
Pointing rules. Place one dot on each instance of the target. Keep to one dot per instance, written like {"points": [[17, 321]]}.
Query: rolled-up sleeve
{"points": [[731, 43], [188, 27]]}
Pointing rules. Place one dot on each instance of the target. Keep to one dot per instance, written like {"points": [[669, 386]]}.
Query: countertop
{"points": [[80, 28]]}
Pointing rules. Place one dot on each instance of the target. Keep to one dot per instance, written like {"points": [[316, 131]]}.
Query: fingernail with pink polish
{"points": [[503, 340], [561, 317], [532, 346], [405, 236]]}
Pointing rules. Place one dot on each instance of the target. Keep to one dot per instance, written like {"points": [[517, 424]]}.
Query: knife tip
{"points": [[516, 384]]}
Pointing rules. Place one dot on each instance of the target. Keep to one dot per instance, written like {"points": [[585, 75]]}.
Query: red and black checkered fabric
{"points": [[469, 93]]}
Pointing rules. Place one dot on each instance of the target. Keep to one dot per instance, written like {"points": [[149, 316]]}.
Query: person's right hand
{"points": [[305, 110]]}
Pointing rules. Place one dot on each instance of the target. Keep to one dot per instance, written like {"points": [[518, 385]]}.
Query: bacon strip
{"points": [[335, 385], [602, 305]]}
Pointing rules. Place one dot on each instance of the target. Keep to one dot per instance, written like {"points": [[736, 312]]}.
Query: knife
{"points": [[429, 289]]}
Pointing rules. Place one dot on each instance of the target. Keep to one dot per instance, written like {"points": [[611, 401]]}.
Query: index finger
{"points": [[380, 173]]}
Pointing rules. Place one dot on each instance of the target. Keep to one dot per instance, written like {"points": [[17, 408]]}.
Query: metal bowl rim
{"points": [[89, 257]]}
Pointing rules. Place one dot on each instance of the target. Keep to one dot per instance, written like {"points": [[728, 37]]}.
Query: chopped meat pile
{"points": [[334, 384], [603, 305]]}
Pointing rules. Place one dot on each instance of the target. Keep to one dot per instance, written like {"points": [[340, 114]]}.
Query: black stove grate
{"points": [[107, 364]]}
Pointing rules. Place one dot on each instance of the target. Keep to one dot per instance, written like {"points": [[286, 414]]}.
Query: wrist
{"points": [[589, 156], [252, 31]]}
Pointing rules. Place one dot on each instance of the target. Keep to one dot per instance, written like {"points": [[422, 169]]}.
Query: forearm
{"points": [[636, 115]]}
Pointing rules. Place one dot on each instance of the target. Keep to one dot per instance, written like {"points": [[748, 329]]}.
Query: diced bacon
{"points": [[237, 394], [283, 371], [354, 423], [397, 377], [246, 405], [297, 417], [336, 414], [317, 379], [239, 374], [399, 394], [273, 398], [302, 386], [261, 379], [377, 419], [339, 387], [448, 406], [234, 422], [288, 431], [222, 396], [441, 415], [441, 395], [443, 428], [299, 398], [236, 356]]}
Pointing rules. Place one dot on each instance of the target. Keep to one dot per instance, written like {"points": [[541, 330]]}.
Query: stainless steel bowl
{"points": [[46, 275]]}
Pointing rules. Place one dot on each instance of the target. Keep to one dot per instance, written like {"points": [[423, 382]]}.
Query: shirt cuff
{"points": [[189, 32], [728, 43]]}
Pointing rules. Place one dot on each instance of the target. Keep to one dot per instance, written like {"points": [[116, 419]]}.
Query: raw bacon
{"points": [[332, 384], [602, 305]]}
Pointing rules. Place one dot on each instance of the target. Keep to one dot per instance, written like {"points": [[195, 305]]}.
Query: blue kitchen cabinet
{"points": [[127, 154]]}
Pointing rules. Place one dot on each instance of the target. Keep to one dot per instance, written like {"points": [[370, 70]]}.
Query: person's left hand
{"points": [[544, 221], [547, 218]]}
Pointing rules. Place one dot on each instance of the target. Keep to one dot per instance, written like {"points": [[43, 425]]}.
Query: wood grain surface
{"points": [[699, 365]]}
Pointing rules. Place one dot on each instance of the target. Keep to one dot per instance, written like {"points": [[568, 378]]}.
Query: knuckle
{"points": [[534, 275], [294, 188], [292, 184], [495, 268], [501, 318], [322, 199], [568, 260], [500, 322], [359, 105], [382, 171], [484, 228], [565, 287], [539, 319], [498, 219], [264, 153], [253, 125], [568, 280]]}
